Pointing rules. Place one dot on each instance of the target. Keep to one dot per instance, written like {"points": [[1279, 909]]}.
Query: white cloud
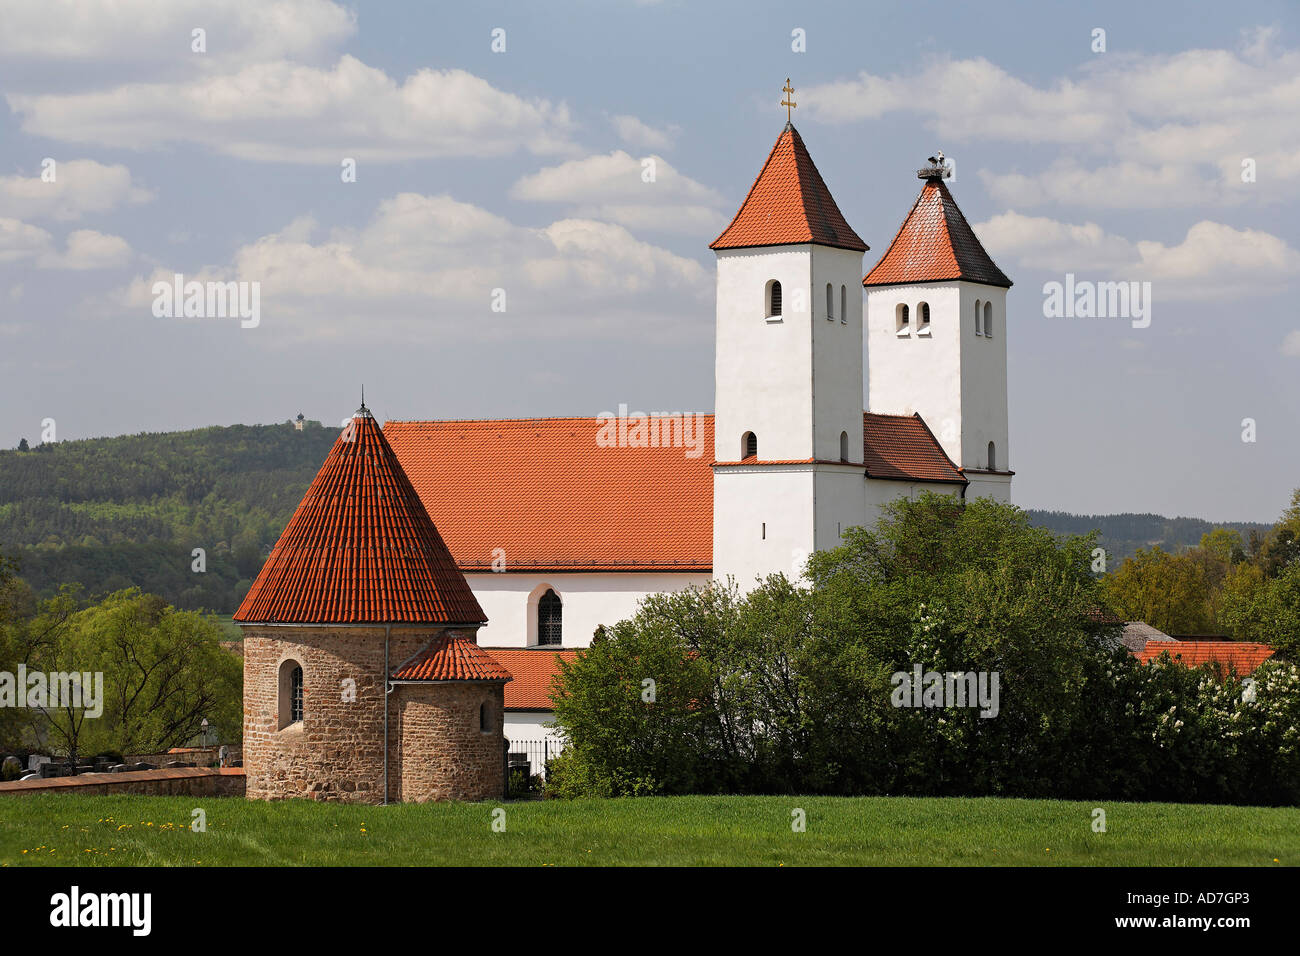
{"points": [[88, 249], [285, 112], [1129, 130], [84, 249], [424, 269], [1291, 344], [613, 187], [155, 34], [80, 186], [641, 135], [18, 240], [1213, 261]]}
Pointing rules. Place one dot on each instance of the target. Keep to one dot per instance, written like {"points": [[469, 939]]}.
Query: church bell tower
{"points": [[788, 423]]}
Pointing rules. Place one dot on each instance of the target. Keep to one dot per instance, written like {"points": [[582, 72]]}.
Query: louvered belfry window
{"points": [[549, 619], [775, 305]]}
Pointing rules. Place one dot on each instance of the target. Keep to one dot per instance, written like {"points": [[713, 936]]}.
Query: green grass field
{"points": [[754, 831]]}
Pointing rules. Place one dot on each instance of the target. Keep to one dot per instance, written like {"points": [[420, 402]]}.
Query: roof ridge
{"points": [[516, 421]]}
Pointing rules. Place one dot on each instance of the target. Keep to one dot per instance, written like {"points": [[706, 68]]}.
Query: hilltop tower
{"points": [[363, 680], [937, 336], [788, 427]]}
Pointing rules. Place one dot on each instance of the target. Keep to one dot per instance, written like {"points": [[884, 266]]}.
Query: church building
{"points": [[541, 531]]}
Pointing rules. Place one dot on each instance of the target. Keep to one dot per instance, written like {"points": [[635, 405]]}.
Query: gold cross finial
{"points": [[788, 102]]}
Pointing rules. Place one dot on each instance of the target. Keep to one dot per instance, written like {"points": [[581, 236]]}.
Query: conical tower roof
{"points": [[934, 244], [360, 549], [789, 204]]}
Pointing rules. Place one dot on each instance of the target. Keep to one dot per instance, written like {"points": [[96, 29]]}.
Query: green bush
{"points": [[788, 688]]}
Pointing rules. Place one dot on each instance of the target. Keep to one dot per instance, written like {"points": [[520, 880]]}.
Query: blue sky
{"points": [[520, 170]]}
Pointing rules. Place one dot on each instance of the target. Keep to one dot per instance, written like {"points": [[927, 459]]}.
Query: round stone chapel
{"points": [[363, 678]]}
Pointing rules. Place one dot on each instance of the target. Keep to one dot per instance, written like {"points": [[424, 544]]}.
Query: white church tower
{"points": [[788, 421], [936, 337]]}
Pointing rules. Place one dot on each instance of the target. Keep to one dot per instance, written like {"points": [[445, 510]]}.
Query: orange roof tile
{"points": [[902, 446], [452, 657], [534, 669], [789, 203], [360, 548], [935, 243], [546, 494], [1244, 656]]}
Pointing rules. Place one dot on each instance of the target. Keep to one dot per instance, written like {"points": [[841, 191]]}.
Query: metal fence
{"points": [[533, 753]]}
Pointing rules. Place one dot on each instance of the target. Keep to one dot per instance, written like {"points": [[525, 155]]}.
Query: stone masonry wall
{"points": [[442, 753], [337, 751]]}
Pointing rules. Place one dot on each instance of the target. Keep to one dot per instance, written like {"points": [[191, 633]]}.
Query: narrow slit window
{"points": [[550, 619], [774, 299]]}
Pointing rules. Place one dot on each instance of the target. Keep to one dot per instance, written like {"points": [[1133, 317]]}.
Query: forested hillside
{"points": [[1123, 534], [110, 513]]}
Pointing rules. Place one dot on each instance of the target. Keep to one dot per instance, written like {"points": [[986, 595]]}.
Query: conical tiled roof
{"points": [[935, 243], [360, 548], [452, 657], [788, 204]]}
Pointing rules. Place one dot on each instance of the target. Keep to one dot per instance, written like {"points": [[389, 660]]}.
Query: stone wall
{"points": [[337, 751], [441, 753], [181, 781]]}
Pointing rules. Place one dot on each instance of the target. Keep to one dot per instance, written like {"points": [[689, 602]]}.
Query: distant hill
{"points": [[109, 513], [113, 512], [1123, 534]]}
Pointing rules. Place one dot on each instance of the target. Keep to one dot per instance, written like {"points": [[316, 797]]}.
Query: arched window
{"points": [[993, 458], [988, 319], [902, 318], [979, 325], [773, 299], [844, 446], [484, 718], [830, 302], [290, 703], [550, 629], [844, 305], [749, 445], [923, 317]]}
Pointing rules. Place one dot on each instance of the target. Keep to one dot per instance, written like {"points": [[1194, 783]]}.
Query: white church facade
{"points": [[558, 532]]}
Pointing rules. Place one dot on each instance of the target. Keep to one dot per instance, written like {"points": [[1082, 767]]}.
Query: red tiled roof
{"points": [[452, 657], [901, 446], [360, 548], [789, 203], [550, 497], [1244, 656], [534, 669], [544, 492], [935, 243]]}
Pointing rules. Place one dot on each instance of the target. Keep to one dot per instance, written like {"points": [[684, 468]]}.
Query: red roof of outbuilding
{"points": [[788, 204], [902, 446], [935, 243], [533, 670], [360, 548], [452, 657], [1244, 656]]}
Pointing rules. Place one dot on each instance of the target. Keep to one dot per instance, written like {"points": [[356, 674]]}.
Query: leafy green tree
{"points": [[164, 671], [633, 707], [1177, 593]]}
